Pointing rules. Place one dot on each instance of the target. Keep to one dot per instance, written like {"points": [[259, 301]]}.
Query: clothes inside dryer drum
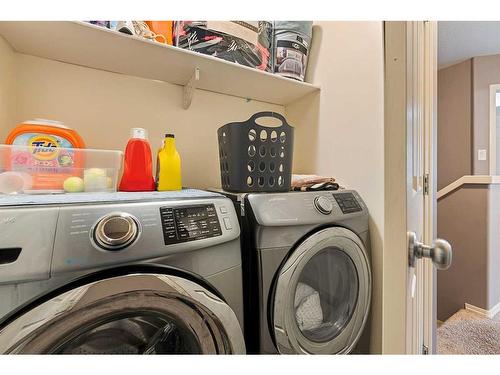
{"points": [[330, 281], [308, 311]]}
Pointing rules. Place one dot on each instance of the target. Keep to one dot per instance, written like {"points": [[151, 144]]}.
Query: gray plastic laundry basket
{"points": [[255, 157]]}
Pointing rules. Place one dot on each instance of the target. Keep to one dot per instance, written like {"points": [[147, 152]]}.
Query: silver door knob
{"points": [[440, 252]]}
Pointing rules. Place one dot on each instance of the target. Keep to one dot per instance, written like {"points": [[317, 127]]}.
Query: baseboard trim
{"points": [[486, 313]]}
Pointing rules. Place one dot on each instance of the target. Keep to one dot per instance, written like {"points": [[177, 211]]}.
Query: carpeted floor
{"points": [[466, 332]]}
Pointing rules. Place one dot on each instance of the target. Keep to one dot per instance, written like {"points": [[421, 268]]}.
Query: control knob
{"points": [[323, 205], [116, 231]]}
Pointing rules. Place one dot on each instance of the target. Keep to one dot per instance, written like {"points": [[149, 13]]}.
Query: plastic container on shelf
{"points": [[292, 42], [164, 28], [54, 169], [45, 136]]}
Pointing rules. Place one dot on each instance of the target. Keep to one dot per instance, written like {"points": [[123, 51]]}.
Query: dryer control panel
{"points": [[347, 202], [306, 208], [190, 223]]}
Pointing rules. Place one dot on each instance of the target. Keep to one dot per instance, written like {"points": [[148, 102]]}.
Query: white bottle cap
{"points": [[139, 133]]}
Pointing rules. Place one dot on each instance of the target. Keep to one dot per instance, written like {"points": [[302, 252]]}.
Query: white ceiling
{"points": [[461, 40]]}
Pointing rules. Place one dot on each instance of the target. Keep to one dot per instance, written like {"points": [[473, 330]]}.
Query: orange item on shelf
{"points": [[164, 28], [46, 165], [138, 165]]}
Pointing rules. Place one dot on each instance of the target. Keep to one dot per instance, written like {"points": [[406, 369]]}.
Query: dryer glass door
{"points": [[322, 294], [132, 314], [326, 295]]}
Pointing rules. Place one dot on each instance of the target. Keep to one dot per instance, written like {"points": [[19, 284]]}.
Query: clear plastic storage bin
{"points": [[38, 170]]}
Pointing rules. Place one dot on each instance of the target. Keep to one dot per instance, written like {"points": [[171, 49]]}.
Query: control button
{"points": [[323, 205], [223, 209], [227, 223]]}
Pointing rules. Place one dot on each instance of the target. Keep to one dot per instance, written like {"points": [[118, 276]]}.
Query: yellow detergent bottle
{"points": [[168, 166]]}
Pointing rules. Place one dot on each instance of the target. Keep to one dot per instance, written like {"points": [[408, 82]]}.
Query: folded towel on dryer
{"points": [[306, 182], [308, 313]]}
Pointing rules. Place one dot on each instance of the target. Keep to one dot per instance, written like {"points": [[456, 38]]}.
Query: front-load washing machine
{"points": [[307, 278], [120, 273]]}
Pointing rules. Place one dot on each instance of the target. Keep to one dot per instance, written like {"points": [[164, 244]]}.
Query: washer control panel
{"points": [[189, 223], [347, 202]]}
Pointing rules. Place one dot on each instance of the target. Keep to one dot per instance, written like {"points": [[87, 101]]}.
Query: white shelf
{"points": [[95, 47]]}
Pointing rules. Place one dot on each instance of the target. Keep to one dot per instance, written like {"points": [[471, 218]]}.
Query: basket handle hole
{"points": [[268, 121], [263, 135], [252, 135], [251, 150], [282, 137], [262, 151]]}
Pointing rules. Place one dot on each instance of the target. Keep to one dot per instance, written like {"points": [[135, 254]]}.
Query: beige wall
{"points": [[473, 277], [486, 72], [342, 130], [459, 110], [476, 251], [454, 123], [103, 106], [7, 87], [466, 280]]}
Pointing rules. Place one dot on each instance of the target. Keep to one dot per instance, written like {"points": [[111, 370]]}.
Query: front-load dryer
{"points": [[120, 273], [307, 278]]}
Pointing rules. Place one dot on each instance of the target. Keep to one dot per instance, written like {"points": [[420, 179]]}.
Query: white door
{"points": [[411, 206]]}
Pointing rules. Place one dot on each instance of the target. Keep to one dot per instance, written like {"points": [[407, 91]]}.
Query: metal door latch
{"points": [[440, 252]]}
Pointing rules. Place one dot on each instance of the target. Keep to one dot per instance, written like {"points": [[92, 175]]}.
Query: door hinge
{"points": [[426, 184], [425, 349]]}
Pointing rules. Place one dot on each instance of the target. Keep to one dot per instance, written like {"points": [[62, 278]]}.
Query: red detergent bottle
{"points": [[138, 165]]}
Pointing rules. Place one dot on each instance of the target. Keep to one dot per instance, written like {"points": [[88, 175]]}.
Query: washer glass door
{"points": [[141, 333], [322, 294], [131, 314]]}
